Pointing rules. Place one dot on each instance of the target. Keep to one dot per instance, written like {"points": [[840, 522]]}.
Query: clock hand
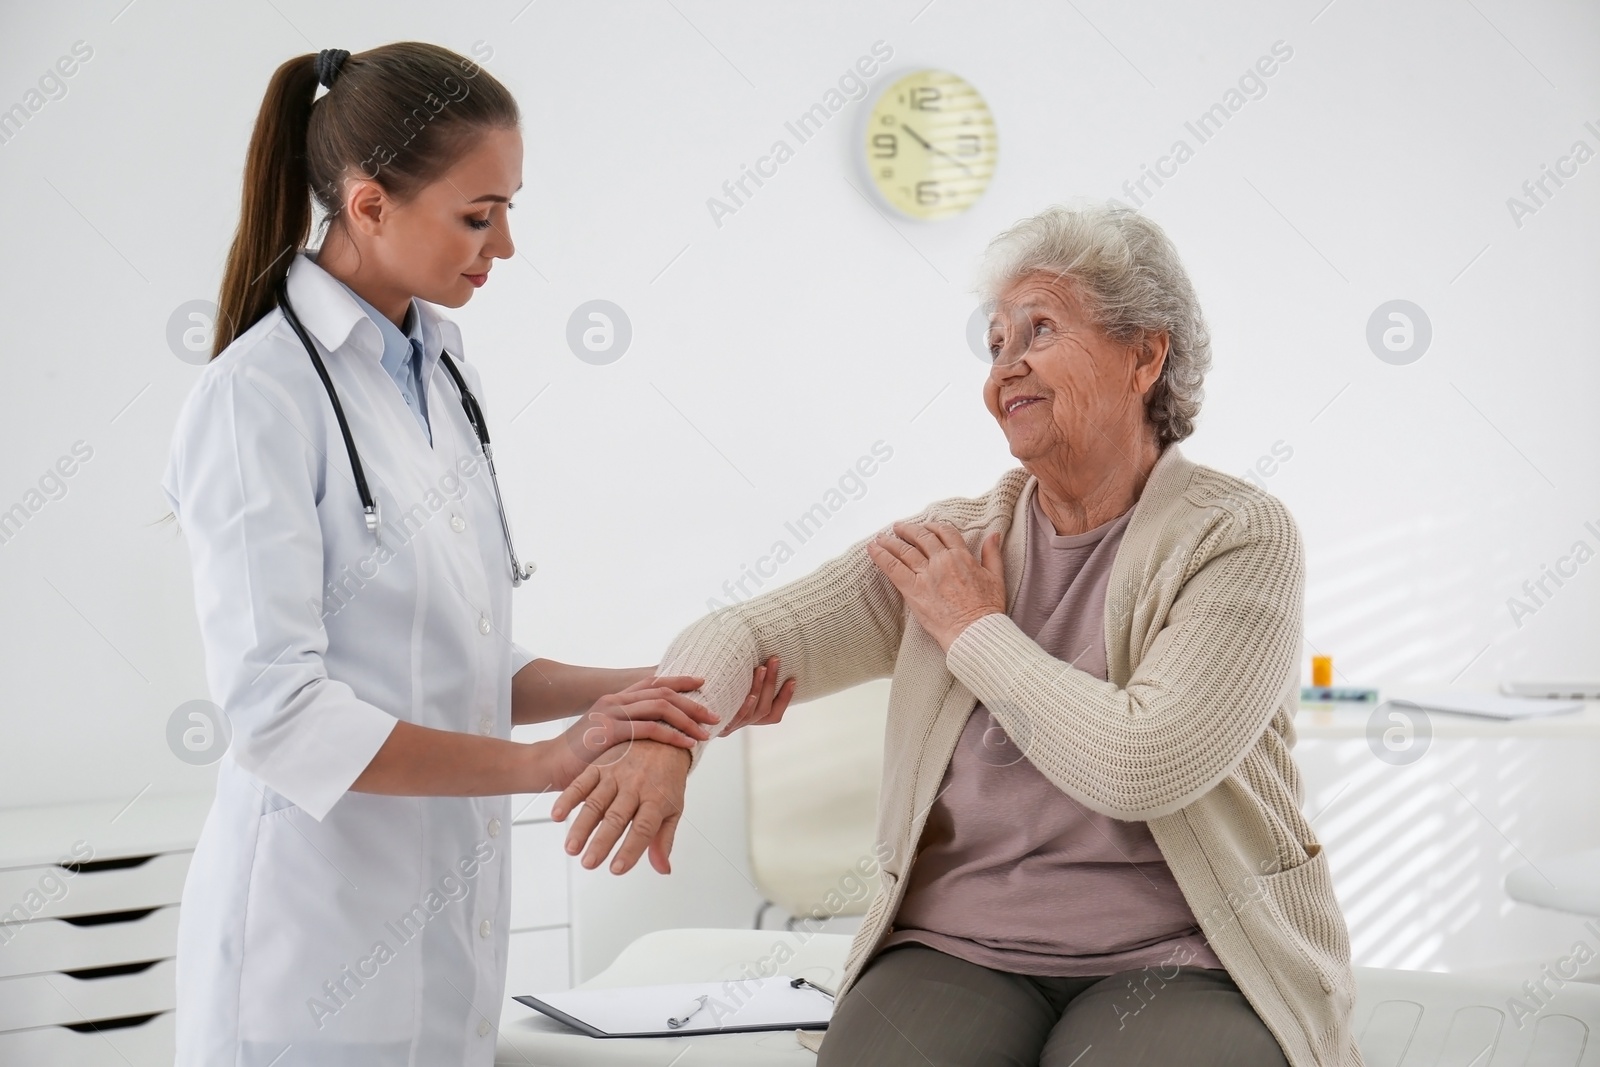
{"points": [[918, 137], [937, 151]]}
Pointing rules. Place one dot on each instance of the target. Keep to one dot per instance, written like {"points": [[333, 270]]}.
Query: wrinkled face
{"points": [[440, 244], [1060, 389]]}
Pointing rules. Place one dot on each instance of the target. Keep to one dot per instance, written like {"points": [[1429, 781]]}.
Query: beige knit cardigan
{"points": [[1190, 733]]}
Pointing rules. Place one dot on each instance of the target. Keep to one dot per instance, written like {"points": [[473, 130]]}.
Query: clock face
{"points": [[931, 145]]}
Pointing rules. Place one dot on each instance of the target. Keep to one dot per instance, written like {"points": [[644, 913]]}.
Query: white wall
{"points": [[771, 352]]}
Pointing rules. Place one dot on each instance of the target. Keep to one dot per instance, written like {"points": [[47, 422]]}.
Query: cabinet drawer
{"points": [[53, 999], [537, 961], [149, 1044], [106, 885], [48, 945], [538, 876]]}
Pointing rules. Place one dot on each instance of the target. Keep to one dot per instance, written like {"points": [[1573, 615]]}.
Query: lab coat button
{"points": [[494, 827], [457, 523], [485, 725], [483, 1027], [483, 624], [483, 928]]}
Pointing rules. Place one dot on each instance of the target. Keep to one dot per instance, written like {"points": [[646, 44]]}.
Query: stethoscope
{"points": [[469, 403]]}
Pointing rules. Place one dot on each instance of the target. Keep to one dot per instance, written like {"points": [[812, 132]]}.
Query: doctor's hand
{"points": [[638, 789], [651, 709], [642, 784]]}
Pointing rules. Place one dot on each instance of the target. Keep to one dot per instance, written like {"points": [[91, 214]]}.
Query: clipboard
{"points": [[740, 1006]]}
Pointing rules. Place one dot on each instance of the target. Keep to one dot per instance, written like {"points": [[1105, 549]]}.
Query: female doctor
{"points": [[349, 896]]}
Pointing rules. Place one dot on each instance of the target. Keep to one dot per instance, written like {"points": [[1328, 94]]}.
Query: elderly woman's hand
{"points": [[946, 587]]}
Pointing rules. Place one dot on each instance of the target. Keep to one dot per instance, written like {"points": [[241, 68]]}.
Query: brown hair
{"points": [[399, 114]]}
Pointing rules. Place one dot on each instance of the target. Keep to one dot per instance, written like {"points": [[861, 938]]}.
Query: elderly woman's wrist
{"points": [[956, 634], [981, 653]]}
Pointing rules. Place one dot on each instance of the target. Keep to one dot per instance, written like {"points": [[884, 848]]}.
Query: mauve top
{"points": [[1013, 873]]}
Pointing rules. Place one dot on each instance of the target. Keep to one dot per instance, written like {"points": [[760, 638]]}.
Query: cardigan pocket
{"points": [[1301, 899], [866, 938]]}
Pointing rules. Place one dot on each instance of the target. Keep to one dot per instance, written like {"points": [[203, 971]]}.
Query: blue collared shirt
{"points": [[402, 356]]}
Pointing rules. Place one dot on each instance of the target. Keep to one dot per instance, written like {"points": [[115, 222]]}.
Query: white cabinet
{"points": [[539, 881], [89, 897], [88, 929], [540, 962], [540, 954], [539, 958]]}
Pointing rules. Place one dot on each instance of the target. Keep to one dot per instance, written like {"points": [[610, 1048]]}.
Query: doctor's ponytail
{"points": [[275, 212], [399, 114]]}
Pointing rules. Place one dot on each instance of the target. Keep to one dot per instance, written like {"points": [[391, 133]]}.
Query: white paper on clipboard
{"points": [[736, 1006]]}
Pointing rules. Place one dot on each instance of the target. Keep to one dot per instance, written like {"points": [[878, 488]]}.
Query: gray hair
{"points": [[1128, 276]]}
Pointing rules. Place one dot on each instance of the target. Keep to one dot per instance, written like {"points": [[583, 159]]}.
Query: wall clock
{"points": [[930, 145]]}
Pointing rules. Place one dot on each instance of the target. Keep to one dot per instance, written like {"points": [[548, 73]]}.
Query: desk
{"points": [[1324, 721], [1420, 851]]}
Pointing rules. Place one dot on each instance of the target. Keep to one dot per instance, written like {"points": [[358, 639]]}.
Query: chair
{"points": [[812, 799], [1567, 883]]}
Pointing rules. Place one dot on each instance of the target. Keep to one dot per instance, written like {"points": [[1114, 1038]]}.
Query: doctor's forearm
{"points": [[547, 689], [420, 761]]}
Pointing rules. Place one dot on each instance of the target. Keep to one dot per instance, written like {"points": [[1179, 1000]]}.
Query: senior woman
{"points": [[1092, 818]]}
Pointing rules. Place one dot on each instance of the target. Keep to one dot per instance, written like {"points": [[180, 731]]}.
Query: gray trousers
{"points": [[915, 1006]]}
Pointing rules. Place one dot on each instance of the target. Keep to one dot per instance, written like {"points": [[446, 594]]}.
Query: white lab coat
{"points": [[321, 926]]}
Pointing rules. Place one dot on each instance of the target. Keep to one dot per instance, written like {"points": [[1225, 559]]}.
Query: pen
{"points": [[796, 983], [688, 1012]]}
